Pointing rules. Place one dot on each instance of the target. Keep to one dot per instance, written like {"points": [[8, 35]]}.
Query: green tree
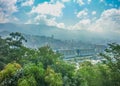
{"points": [[105, 74], [7, 74], [27, 81], [15, 40], [67, 71], [52, 78], [47, 56], [112, 59], [3, 51], [36, 71], [89, 74], [16, 50]]}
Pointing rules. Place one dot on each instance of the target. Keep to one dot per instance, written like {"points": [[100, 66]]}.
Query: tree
{"points": [[36, 72], [89, 74], [3, 51], [67, 71], [15, 40], [16, 49], [112, 59], [7, 74], [27, 81], [52, 78], [47, 56], [105, 74]]}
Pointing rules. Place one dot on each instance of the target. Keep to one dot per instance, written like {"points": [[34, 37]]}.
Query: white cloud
{"points": [[43, 19], [80, 2], [49, 9], [89, 1], [93, 12], [109, 22], [65, 0], [101, 0], [28, 3], [81, 25], [7, 7], [54, 1], [61, 25], [3, 18], [111, 13], [82, 13], [47, 12]]}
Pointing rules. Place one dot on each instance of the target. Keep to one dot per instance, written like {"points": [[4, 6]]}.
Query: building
{"points": [[67, 53]]}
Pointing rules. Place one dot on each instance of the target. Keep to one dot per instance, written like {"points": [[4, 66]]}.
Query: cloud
{"points": [[46, 13], [89, 1], [7, 8], [81, 25], [3, 18], [106, 27], [43, 19], [63, 1], [93, 12], [101, 0], [47, 8], [28, 3], [80, 2], [66, 0], [109, 22], [82, 13]]}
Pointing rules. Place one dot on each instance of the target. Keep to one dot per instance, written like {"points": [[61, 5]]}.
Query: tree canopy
{"points": [[22, 66]]}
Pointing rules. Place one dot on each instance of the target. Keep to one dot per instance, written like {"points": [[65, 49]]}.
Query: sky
{"points": [[98, 16]]}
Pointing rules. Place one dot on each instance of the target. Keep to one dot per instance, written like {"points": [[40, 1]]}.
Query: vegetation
{"points": [[22, 66]]}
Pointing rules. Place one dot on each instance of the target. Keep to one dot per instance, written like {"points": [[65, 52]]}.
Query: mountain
{"points": [[62, 34], [41, 30], [35, 41]]}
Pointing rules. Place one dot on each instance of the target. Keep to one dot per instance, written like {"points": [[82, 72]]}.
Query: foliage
{"points": [[15, 40], [22, 66], [36, 70], [89, 74], [64, 68], [27, 81], [67, 71], [52, 78], [112, 59], [12, 49], [16, 48], [47, 56], [3, 53], [105, 74], [33, 74], [7, 74]]}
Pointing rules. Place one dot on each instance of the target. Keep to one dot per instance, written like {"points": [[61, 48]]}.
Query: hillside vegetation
{"points": [[22, 66]]}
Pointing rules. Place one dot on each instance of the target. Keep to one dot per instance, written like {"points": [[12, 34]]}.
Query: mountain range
{"points": [[35, 41], [59, 33]]}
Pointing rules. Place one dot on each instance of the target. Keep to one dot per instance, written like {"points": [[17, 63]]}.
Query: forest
{"points": [[23, 66]]}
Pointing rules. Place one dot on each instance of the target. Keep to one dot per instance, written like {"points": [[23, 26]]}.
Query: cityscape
{"points": [[59, 42]]}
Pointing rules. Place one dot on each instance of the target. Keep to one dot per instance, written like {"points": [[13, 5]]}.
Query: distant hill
{"points": [[35, 41], [62, 34]]}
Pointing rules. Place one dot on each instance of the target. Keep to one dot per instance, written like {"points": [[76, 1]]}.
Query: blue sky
{"points": [[100, 16]]}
